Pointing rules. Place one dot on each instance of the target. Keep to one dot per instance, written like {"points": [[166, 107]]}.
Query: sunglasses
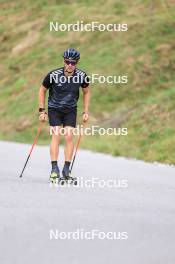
{"points": [[73, 63]]}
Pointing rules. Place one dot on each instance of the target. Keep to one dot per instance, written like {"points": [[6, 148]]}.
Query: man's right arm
{"points": [[42, 96]]}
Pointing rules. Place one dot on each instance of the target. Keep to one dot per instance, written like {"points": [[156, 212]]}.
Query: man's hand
{"points": [[85, 116], [42, 115]]}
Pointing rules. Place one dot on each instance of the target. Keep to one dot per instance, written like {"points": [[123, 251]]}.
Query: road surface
{"points": [[36, 220]]}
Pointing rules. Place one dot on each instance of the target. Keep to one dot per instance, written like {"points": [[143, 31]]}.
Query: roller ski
{"points": [[67, 178]]}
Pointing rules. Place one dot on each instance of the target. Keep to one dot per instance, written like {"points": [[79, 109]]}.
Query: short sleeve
{"points": [[46, 82], [85, 82]]}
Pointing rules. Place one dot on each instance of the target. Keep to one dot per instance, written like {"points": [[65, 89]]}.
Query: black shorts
{"points": [[66, 117]]}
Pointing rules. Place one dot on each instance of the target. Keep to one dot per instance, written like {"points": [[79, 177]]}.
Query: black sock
{"points": [[67, 164], [54, 164]]}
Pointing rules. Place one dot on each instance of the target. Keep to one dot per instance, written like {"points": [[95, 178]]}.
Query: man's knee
{"points": [[68, 138], [55, 131], [56, 137], [68, 135]]}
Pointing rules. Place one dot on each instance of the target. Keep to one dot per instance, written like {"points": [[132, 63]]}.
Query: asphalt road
{"points": [[36, 220]]}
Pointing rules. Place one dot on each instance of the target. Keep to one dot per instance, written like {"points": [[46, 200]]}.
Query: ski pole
{"points": [[76, 149], [30, 152]]}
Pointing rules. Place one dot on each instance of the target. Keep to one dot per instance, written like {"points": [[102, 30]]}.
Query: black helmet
{"points": [[71, 54]]}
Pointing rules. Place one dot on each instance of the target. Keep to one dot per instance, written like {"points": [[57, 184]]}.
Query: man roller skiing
{"points": [[62, 107]]}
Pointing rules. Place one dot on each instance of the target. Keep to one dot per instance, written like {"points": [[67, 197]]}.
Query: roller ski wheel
{"points": [[68, 180]]}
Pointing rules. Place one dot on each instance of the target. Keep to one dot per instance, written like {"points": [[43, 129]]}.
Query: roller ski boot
{"points": [[54, 176], [66, 178]]}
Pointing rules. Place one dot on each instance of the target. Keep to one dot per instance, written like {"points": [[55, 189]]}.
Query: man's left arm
{"points": [[86, 100]]}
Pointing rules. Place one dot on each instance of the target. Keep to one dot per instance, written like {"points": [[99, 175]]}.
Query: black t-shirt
{"points": [[64, 91]]}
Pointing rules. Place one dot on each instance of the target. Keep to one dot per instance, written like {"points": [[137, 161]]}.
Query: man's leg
{"points": [[54, 149], [69, 146], [54, 146], [69, 123], [68, 150]]}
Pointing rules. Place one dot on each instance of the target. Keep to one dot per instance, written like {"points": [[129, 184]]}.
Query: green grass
{"points": [[145, 53]]}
